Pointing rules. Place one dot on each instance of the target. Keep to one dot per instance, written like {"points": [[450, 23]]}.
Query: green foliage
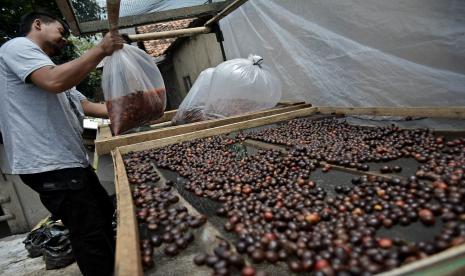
{"points": [[87, 10], [80, 46], [12, 10]]}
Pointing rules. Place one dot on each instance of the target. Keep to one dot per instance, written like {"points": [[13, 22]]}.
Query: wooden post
{"points": [[113, 14], [170, 34], [67, 11], [229, 9]]}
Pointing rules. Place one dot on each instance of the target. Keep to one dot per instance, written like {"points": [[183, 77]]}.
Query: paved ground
{"points": [[14, 260]]}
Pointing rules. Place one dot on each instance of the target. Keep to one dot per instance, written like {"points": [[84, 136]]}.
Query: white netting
{"points": [[357, 53]]}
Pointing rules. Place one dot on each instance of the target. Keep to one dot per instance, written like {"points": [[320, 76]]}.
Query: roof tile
{"points": [[158, 47]]}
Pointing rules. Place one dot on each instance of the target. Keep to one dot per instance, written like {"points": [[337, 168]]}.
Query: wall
{"points": [[23, 203], [173, 90], [196, 54]]}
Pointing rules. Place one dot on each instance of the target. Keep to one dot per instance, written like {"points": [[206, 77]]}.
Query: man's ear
{"points": [[37, 24]]}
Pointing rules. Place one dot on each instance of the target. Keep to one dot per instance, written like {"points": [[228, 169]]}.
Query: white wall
{"points": [[195, 55]]}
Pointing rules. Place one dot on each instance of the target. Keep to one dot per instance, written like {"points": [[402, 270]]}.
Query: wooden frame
{"points": [[127, 233], [67, 11], [170, 34], [90, 27], [227, 10], [449, 262], [105, 142]]}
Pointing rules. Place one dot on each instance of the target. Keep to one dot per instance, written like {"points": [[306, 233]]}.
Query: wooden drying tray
{"points": [[106, 142], [128, 262]]}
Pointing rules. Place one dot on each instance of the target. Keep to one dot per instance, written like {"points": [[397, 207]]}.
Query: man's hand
{"points": [[111, 42]]}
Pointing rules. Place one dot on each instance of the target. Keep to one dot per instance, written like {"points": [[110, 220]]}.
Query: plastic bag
{"points": [[35, 240], [133, 88], [52, 241], [233, 87], [58, 252], [194, 106]]}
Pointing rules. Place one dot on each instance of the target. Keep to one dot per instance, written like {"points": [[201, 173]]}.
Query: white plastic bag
{"points": [[194, 106], [133, 88], [235, 86]]}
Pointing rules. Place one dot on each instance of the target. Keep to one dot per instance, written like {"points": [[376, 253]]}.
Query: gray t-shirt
{"points": [[41, 130]]}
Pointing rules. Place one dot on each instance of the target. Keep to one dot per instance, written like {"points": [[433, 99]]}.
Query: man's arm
{"points": [[96, 110], [57, 79]]}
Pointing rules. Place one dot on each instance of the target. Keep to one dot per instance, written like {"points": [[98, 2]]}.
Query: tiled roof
{"points": [[158, 47]]}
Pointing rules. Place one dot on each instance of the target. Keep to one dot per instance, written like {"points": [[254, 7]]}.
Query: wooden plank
{"points": [[67, 11], [219, 130], [127, 234], [289, 103], [113, 14], [448, 262], [433, 111], [104, 132], [169, 115], [104, 146], [154, 17], [161, 125], [227, 10], [170, 34]]}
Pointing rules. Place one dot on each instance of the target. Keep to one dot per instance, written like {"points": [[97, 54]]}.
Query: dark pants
{"points": [[77, 198]]}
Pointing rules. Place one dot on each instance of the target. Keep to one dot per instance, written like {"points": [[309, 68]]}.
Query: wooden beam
{"points": [[170, 34], [457, 112], [229, 9], [150, 18], [105, 145], [67, 11], [113, 14], [167, 116], [448, 262], [219, 130], [104, 130], [127, 232]]}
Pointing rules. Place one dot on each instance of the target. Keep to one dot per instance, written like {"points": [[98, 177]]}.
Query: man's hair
{"points": [[44, 16]]}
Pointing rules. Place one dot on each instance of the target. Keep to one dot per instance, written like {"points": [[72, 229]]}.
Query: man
{"points": [[40, 121]]}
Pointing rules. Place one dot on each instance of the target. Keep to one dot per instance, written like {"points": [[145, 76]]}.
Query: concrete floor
{"points": [[14, 260]]}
